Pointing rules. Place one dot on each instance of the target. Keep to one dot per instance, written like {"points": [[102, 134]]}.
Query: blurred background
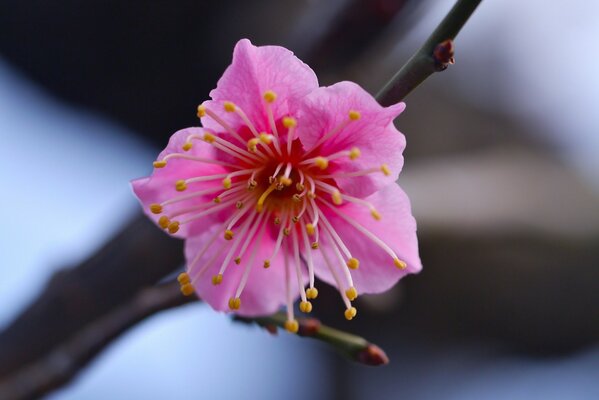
{"points": [[501, 167]]}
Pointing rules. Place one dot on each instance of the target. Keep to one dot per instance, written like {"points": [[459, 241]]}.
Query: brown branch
{"points": [[64, 362], [137, 257]]}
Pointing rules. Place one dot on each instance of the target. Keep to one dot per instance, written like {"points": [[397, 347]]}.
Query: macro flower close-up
{"points": [[284, 182]]}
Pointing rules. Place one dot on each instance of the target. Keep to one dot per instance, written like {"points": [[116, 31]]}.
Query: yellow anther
{"points": [[295, 219], [351, 293], [375, 214], [296, 197], [234, 303], [310, 229], [237, 260], [321, 162], [336, 196], [229, 106], [239, 205], [277, 221], [217, 279], [187, 289], [264, 138], [385, 170], [289, 122], [217, 200], [163, 222], [314, 245], [354, 153], [180, 185], [266, 263], [305, 306], [400, 264], [159, 164], [312, 293], [260, 202], [227, 183], [286, 231], [209, 138], [155, 208], [228, 234], [201, 111], [311, 195], [183, 278], [292, 326], [252, 143], [299, 187], [270, 96], [350, 313], [354, 115], [173, 227], [285, 181], [353, 263], [187, 146]]}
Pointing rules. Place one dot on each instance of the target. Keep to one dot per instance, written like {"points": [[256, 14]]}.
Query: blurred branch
{"points": [[434, 55], [64, 362], [351, 346], [137, 257]]}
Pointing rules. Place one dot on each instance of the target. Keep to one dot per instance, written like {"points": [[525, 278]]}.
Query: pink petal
{"points": [[160, 186], [374, 134], [397, 229], [255, 70], [265, 291]]}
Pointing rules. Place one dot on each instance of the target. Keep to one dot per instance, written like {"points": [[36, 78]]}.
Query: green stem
{"points": [[423, 63], [351, 346]]}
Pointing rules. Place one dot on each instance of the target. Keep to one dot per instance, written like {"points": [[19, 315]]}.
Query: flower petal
{"points": [[160, 186], [254, 71], [373, 134], [397, 229], [265, 291]]}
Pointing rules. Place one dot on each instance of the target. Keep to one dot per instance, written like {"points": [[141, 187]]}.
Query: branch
{"points": [[351, 346], [63, 363], [137, 257], [434, 55]]}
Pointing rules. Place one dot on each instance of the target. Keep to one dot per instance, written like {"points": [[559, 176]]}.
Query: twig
{"points": [[351, 346], [433, 56]]}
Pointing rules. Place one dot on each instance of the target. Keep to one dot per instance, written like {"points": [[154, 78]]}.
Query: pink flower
{"points": [[285, 181]]}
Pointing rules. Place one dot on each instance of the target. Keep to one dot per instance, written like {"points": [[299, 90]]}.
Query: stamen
{"points": [[270, 97], [333, 245], [336, 236], [209, 211], [308, 255], [397, 262], [244, 227], [291, 324], [290, 123], [222, 123], [198, 159], [298, 266], [354, 174], [230, 107], [279, 239], [190, 195], [251, 234], [352, 116], [248, 267], [336, 278]]}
